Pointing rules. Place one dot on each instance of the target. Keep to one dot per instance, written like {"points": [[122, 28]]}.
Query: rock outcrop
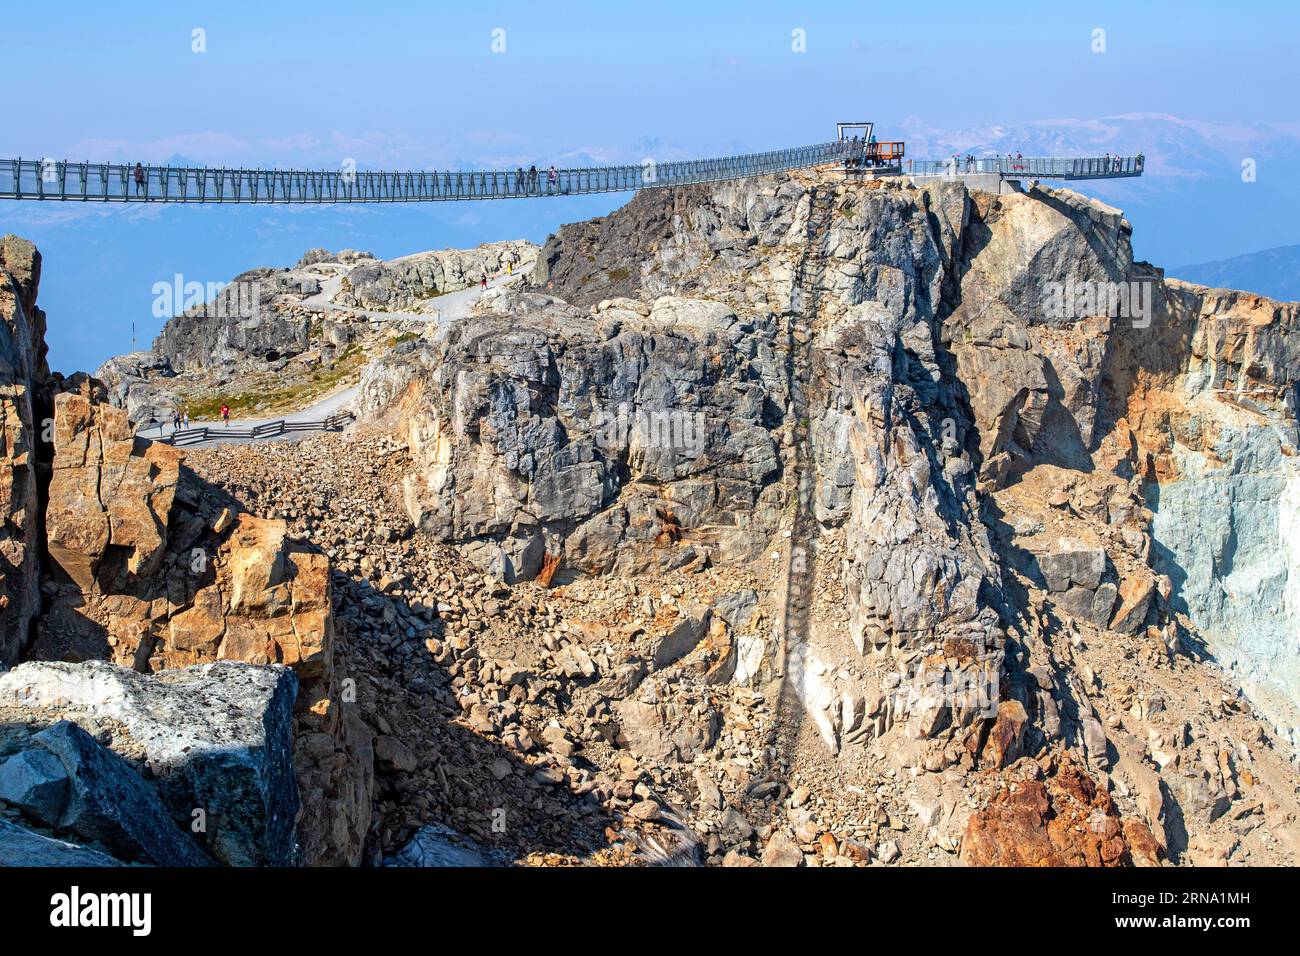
{"points": [[825, 521], [945, 418], [157, 574], [119, 554], [1055, 817], [412, 283], [22, 372], [215, 742]]}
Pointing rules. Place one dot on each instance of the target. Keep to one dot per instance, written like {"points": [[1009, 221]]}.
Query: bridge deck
{"points": [[117, 182]]}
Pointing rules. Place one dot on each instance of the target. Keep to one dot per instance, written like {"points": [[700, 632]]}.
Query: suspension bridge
{"points": [[65, 181]]}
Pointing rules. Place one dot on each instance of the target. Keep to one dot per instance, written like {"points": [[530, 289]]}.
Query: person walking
{"points": [[185, 418], [483, 282], [519, 179], [139, 179], [532, 179], [225, 415], [176, 419], [552, 179]]}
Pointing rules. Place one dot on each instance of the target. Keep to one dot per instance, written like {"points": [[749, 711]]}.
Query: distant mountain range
{"points": [[1271, 272]]}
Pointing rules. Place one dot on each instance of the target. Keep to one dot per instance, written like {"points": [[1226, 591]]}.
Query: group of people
{"points": [[862, 154], [181, 418], [1116, 163], [528, 181]]}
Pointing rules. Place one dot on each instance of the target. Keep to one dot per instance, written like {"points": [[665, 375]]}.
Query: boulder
{"points": [[1072, 563], [110, 495], [682, 638], [102, 800], [20, 846], [215, 738]]}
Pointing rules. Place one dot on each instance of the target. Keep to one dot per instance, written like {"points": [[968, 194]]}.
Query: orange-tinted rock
{"points": [[1063, 820], [1006, 738], [110, 494], [22, 369]]}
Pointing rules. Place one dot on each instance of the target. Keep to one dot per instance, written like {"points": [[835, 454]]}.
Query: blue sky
{"points": [[418, 85]]}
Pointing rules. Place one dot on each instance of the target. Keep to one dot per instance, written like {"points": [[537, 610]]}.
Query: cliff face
{"points": [[115, 552], [22, 373], [955, 435], [1210, 399]]}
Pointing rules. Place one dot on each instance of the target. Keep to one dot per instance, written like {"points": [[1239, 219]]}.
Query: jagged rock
{"points": [[22, 847], [35, 780], [110, 495], [22, 372], [215, 738], [681, 639], [1135, 594], [103, 801], [436, 845], [782, 851], [138, 383], [1064, 820], [393, 755], [238, 326], [1073, 564], [1006, 737]]}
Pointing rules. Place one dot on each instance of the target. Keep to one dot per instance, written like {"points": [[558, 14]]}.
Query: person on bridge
{"points": [[532, 179], [552, 179], [225, 415], [519, 179], [139, 179]]}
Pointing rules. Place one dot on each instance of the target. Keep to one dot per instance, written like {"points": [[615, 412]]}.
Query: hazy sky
{"points": [[419, 82], [398, 85]]}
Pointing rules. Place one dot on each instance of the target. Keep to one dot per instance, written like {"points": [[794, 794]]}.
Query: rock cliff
{"points": [[952, 436], [124, 563], [791, 520]]}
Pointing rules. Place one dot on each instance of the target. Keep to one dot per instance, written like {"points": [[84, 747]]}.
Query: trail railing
{"points": [[283, 426]]}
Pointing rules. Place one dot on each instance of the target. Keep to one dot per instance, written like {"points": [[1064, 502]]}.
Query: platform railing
{"points": [[1032, 167]]}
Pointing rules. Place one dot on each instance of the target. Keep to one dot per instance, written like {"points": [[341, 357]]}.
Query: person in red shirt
{"points": [[225, 414]]}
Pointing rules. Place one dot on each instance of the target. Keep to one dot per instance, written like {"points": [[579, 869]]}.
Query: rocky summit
{"points": [[791, 521]]}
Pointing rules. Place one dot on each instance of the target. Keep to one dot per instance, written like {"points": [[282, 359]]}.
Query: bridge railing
{"points": [[1082, 167], [116, 182], [282, 426]]}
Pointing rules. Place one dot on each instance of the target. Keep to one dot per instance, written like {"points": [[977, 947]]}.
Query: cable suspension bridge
{"points": [[64, 181]]}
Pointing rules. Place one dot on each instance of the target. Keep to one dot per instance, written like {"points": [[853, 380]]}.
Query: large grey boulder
{"points": [[100, 798], [216, 738]]}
